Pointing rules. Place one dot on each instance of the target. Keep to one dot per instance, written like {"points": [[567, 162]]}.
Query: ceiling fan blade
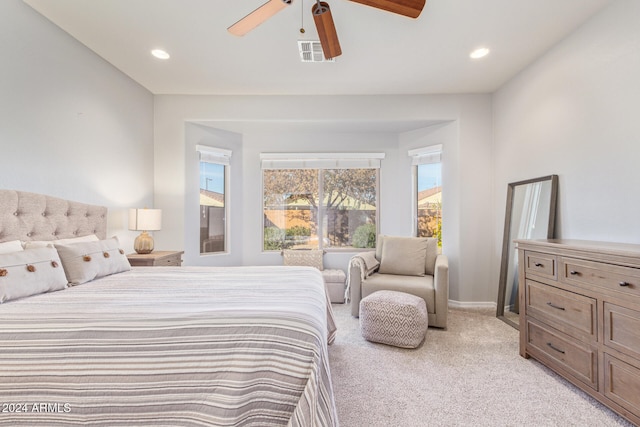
{"points": [[258, 16], [326, 30], [410, 8]]}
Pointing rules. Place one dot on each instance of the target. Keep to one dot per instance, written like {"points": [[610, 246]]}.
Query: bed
{"points": [[170, 346]]}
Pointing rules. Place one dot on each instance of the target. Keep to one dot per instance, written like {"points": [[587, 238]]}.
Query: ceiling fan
{"points": [[323, 19]]}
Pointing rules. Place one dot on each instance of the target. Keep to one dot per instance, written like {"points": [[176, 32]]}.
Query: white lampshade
{"points": [[145, 219]]}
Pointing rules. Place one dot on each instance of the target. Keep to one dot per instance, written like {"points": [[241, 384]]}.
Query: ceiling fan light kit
{"points": [[409, 8], [326, 30], [258, 16]]}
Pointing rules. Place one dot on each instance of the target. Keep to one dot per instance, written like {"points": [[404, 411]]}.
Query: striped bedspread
{"points": [[194, 346]]}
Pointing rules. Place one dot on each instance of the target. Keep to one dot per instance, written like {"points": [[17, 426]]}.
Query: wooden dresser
{"points": [[580, 316]]}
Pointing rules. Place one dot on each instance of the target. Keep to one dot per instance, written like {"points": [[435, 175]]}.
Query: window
{"points": [[319, 201], [428, 172], [214, 164]]}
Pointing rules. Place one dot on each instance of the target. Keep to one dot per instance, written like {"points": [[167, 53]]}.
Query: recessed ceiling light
{"points": [[160, 54], [479, 53]]}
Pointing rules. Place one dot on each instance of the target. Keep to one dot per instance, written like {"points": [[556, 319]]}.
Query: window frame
{"points": [[430, 154], [319, 162], [219, 156]]}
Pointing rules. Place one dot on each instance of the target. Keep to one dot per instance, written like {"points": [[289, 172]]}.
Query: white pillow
{"points": [[30, 272], [86, 261], [43, 243], [12, 246]]}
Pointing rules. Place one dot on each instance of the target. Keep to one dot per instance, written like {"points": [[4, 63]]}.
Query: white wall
{"points": [[271, 123], [71, 125], [574, 112]]}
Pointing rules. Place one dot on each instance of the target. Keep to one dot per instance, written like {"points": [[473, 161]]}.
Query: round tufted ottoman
{"points": [[394, 318]]}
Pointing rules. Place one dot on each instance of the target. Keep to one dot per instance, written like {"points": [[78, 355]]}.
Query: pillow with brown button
{"points": [[87, 261], [30, 272]]}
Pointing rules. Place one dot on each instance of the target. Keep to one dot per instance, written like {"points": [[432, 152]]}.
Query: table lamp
{"points": [[144, 220]]}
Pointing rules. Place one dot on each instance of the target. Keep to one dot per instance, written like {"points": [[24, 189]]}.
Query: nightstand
{"points": [[156, 258]]}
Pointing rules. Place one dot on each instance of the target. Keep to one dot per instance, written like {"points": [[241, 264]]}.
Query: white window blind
{"points": [[213, 155], [321, 160], [426, 155]]}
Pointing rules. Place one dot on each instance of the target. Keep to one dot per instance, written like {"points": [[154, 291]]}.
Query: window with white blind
{"points": [[214, 172], [320, 200], [427, 163]]}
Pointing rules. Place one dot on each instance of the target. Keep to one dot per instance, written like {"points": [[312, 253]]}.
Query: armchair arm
{"points": [[441, 284], [355, 290], [358, 271]]}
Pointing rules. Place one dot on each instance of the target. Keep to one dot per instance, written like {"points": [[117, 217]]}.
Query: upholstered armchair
{"points": [[404, 264]]}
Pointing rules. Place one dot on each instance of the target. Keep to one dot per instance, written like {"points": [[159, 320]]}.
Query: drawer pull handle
{"points": [[624, 283], [573, 272], [550, 304], [537, 264], [555, 348]]}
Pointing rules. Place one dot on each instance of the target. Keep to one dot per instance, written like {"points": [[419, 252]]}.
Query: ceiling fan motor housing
{"points": [[326, 30]]}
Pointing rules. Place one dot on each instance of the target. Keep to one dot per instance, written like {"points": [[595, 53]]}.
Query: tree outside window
{"points": [[319, 208]]}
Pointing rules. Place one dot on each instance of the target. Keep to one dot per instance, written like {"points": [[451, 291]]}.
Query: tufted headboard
{"points": [[29, 216]]}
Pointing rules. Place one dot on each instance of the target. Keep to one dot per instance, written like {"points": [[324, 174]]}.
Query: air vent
{"points": [[311, 51]]}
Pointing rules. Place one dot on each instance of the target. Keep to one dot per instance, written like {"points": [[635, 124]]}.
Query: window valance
{"points": [[321, 160], [213, 155], [426, 155]]}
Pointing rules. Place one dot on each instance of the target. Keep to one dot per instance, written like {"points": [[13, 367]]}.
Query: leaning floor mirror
{"points": [[530, 214]]}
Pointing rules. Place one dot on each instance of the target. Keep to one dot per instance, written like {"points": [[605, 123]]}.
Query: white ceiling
{"points": [[383, 53]]}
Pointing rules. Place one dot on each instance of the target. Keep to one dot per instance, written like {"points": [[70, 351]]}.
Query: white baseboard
{"points": [[473, 305]]}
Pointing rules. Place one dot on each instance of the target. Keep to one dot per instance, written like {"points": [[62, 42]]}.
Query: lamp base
{"points": [[143, 243]]}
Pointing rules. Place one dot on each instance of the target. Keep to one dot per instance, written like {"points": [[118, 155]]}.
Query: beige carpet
{"points": [[468, 375]]}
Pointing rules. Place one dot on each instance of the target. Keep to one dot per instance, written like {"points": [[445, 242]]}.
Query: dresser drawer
{"points": [[571, 313], [622, 383], [174, 261], [156, 258], [622, 329], [612, 277], [577, 359], [540, 264]]}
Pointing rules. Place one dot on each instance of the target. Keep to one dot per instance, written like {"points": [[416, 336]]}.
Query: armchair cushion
{"points": [[403, 256], [420, 286]]}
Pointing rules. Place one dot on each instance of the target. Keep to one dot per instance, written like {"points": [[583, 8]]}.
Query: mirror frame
{"points": [[506, 256]]}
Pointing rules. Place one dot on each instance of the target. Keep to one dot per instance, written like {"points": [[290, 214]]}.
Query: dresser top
{"points": [[587, 246], [157, 255]]}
